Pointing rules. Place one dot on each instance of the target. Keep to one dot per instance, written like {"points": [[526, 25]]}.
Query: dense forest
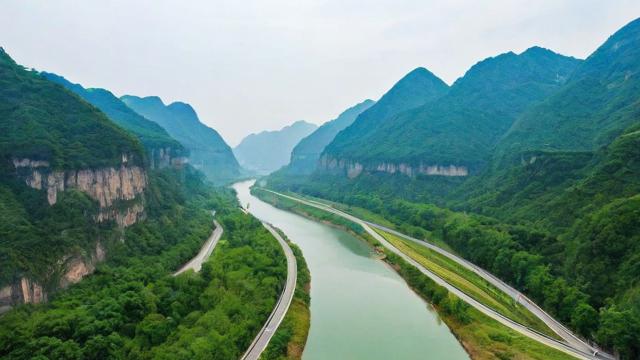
{"points": [[131, 307]]}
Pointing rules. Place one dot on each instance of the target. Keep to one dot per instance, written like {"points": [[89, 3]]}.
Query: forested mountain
{"points": [[161, 147], [455, 134], [599, 101], [42, 121], [78, 197], [305, 155], [207, 150], [268, 151], [555, 211], [68, 175], [416, 88]]}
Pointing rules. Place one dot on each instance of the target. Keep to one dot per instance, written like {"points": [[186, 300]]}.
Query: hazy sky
{"points": [[248, 65]]}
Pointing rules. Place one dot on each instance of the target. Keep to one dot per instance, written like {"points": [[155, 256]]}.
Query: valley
{"points": [[484, 205]]}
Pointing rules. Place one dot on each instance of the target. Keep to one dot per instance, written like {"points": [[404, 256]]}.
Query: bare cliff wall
{"points": [[108, 186], [117, 190], [165, 157], [28, 291], [353, 169]]}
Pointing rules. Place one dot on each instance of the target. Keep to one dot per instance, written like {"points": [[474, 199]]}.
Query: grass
{"points": [[482, 337], [289, 340], [468, 281]]}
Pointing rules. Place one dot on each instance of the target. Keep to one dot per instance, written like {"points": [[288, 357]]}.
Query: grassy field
{"points": [[289, 340], [468, 281], [482, 337]]}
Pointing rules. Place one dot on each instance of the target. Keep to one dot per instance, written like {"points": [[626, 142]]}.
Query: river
{"points": [[360, 307]]}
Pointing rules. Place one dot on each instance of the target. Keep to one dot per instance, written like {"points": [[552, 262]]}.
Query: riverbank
{"points": [[481, 336], [361, 308]]}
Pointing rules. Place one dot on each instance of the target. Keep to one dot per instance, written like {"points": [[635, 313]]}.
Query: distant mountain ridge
{"points": [[305, 155], [208, 152], [161, 148], [268, 151]]}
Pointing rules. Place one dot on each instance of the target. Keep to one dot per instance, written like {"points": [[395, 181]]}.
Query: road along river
{"points": [[360, 308]]}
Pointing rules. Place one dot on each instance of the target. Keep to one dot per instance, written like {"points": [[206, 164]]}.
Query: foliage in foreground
{"points": [[132, 308]]}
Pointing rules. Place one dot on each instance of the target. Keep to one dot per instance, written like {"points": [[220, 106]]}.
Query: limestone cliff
{"points": [[108, 186], [353, 169], [163, 157], [73, 268], [119, 194]]}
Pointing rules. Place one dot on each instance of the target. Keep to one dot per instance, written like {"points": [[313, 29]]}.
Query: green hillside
{"points": [[152, 135], [599, 101], [207, 150], [416, 88], [43, 121], [462, 127]]}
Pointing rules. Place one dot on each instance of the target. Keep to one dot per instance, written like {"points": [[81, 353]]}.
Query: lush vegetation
{"points": [[461, 127], [44, 121], [132, 308], [482, 337], [468, 281], [596, 105], [289, 340], [417, 88], [152, 136], [207, 150]]}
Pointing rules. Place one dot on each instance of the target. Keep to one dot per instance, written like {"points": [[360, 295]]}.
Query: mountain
{"points": [[207, 150], [161, 147], [455, 134], [599, 101], [555, 144], [268, 151], [70, 181], [416, 88], [306, 154]]}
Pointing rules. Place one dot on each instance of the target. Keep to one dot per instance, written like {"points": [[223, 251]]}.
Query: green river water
{"points": [[360, 308]]}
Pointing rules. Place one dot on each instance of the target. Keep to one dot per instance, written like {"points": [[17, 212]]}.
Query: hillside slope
{"points": [[161, 148], [455, 134], [599, 101], [208, 152], [418, 87], [305, 155], [68, 178]]}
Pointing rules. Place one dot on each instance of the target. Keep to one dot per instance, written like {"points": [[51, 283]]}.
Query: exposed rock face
{"points": [[105, 185], [164, 157], [27, 291], [353, 169]]}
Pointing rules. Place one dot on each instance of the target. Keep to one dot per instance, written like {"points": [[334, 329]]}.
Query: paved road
{"points": [[282, 306], [572, 344], [195, 264]]}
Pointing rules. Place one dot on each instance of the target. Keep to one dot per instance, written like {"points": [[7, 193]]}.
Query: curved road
{"points": [[282, 306], [571, 345], [195, 264]]}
